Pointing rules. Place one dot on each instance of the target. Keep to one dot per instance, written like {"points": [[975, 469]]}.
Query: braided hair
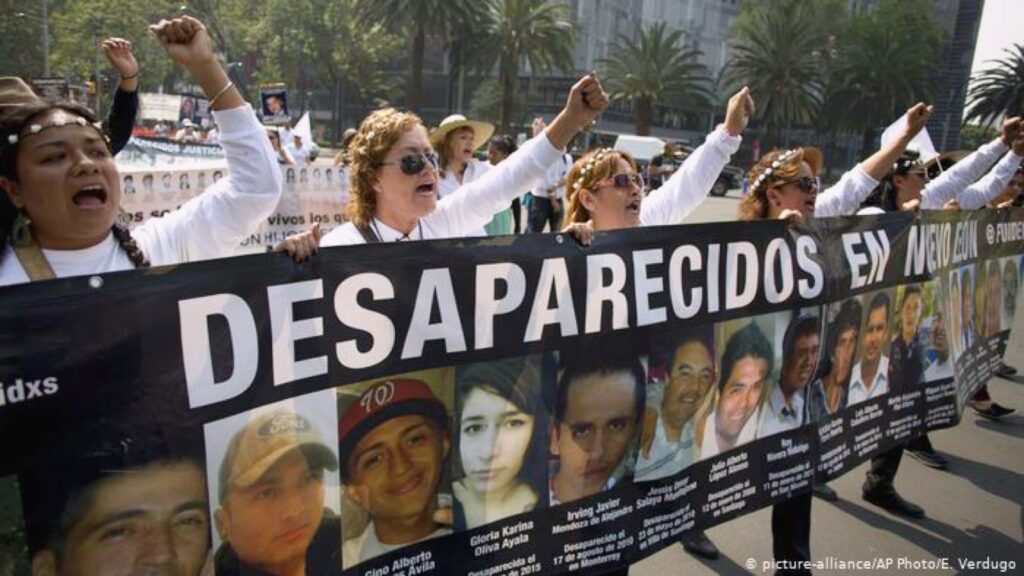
{"points": [[13, 120]]}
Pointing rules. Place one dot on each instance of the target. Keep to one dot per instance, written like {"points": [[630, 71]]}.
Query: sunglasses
{"points": [[415, 163], [623, 180], [922, 174], [805, 184]]}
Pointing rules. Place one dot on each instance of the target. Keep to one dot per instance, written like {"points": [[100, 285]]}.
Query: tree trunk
{"points": [[643, 109], [509, 80], [335, 119], [412, 99]]}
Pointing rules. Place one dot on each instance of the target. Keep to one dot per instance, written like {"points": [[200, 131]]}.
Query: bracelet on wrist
{"points": [[223, 91]]}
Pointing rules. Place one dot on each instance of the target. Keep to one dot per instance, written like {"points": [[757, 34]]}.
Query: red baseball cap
{"points": [[383, 401]]}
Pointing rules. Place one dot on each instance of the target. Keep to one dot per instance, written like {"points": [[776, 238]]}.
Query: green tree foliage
{"points": [[774, 49], [654, 67], [881, 69], [532, 33], [999, 90], [972, 136], [414, 20], [21, 39], [79, 28]]}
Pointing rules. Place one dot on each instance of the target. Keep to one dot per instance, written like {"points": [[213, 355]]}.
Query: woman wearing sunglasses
{"points": [[605, 190], [784, 183], [907, 185], [395, 175], [63, 189]]}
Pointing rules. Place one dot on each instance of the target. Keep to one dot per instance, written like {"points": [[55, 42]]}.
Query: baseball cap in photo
{"points": [[383, 401], [265, 440]]}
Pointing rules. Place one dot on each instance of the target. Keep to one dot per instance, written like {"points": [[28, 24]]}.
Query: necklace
{"points": [[406, 237]]}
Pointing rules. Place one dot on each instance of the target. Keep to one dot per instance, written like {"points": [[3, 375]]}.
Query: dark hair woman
{"points": [[63, 189]]}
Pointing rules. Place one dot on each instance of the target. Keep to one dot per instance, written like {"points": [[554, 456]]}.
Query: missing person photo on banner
{"points": [[828, 394], [935, 336], [784, 405], [595, 426], [907, 351], [95, 503], [1011, 290], [273, 481], [394, 436], [871, 375], [682, 375], [501, 442], [747, 360], [968, 322]]}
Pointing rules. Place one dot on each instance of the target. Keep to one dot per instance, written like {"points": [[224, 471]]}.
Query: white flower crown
{"points": [[776, 164], [588, 167]]}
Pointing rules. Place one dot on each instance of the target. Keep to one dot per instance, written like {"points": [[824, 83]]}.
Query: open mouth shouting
{"points": [[91, 197], [426, 189]]}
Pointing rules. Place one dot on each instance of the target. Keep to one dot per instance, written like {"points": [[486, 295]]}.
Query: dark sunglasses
{"points": [[806, 184], [415, 163], [623, 180]]}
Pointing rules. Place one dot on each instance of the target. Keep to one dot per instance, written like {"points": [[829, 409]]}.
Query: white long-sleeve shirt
{"points": [[554, 178], [210, 225], [473, 205], [690, 184], [845, 197], [992, 184], [450, 183], [961, 175]]}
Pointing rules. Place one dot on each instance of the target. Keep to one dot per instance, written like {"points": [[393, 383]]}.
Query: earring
{"points": [[21, 231]]}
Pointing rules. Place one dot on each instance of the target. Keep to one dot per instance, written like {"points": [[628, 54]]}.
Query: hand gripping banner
{"points": [[509, 405]]}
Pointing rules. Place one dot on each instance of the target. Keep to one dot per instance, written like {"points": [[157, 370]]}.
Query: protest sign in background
{"points": [[618, 395], [312, 194]]}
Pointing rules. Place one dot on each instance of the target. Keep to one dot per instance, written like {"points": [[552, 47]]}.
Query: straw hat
{"points": [[814, 158], [14, 92], [482, 131]]}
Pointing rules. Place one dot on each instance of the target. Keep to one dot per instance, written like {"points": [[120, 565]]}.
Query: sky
{"points": [[1002, 25]]}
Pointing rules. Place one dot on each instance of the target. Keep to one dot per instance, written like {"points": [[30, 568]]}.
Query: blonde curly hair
{"points": [[775, 167], [377, 134], [592, 167]]}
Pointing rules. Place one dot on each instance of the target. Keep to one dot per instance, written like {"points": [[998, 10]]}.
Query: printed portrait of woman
{"points": [[500, 441]]}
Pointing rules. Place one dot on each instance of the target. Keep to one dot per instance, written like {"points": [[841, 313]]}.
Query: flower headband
{"points": [[59, 119], [588, 167], [776, 164]]}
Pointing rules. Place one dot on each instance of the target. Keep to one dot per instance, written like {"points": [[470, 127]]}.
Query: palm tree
{"points": [[656, 68], [772, 55], [417, 18], [879, 70], [998, 91], [532, 32]]}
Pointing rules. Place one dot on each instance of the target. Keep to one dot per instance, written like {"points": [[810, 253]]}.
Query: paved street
{"points": [[974, 509]]}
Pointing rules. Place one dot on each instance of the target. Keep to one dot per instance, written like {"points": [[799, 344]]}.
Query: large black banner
{"points": [[516, 405]]}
